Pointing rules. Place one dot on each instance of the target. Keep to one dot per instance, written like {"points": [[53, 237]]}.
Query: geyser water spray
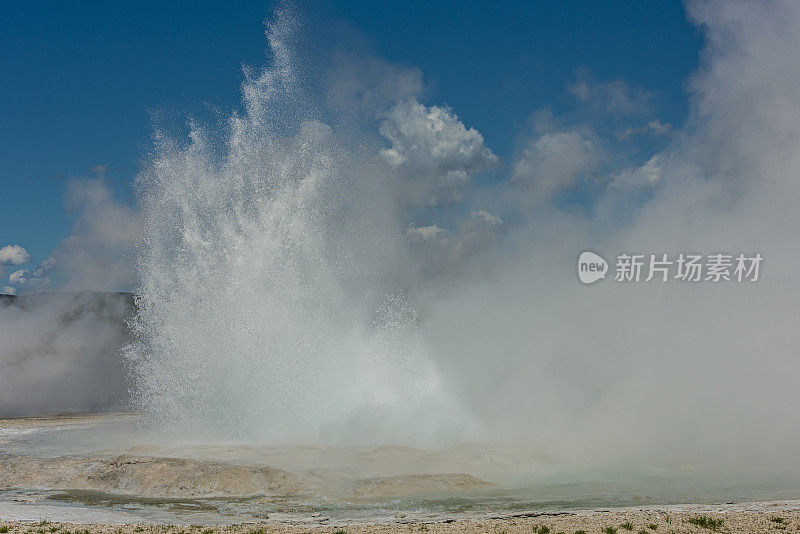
{"points": [[271, 303]]}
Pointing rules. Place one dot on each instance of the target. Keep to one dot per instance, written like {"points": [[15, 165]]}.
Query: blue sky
{"points": [[82, 81]]}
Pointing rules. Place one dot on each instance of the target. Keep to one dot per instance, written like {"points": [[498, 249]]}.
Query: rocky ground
{"points": [[755, 518]]}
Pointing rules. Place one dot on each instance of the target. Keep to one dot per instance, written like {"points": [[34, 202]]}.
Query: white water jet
{"points": [[268, 251]]}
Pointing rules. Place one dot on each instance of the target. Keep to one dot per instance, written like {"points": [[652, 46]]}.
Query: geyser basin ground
{"points": [[103, 469]]}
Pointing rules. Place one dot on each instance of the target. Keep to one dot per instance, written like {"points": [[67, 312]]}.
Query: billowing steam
{"points": [[59, 353]]}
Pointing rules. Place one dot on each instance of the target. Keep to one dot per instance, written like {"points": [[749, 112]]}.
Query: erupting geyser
{"points": [[271, 300]]}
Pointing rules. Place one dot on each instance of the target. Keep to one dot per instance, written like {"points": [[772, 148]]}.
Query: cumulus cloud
{"points": [[555, 162], [435, 154], [14, 255], [35, 278], [8, 290], [18, 277]]}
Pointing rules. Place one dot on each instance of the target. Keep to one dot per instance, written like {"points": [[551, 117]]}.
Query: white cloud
{"points": [[14, 255], [18, 277], [487, 217], [654, 127], [436, 155], [647, 175], [425, 232], [36, 277], [554, 162], [8, 290]]}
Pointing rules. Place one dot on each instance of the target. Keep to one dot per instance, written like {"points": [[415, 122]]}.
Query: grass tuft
{"points": [[704, 521], [627, 525]]}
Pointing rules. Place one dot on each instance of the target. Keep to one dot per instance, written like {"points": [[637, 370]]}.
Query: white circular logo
{"points": [[591, 267]]}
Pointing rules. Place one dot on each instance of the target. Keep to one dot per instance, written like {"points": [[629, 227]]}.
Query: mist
{"points": [[60, 353], [678, 373]]}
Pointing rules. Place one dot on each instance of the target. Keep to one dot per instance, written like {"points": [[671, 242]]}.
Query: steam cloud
{"points": [[59, 353]]}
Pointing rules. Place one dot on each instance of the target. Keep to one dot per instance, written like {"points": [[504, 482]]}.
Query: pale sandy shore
{"points": [[100, 473], [770, 517]]}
